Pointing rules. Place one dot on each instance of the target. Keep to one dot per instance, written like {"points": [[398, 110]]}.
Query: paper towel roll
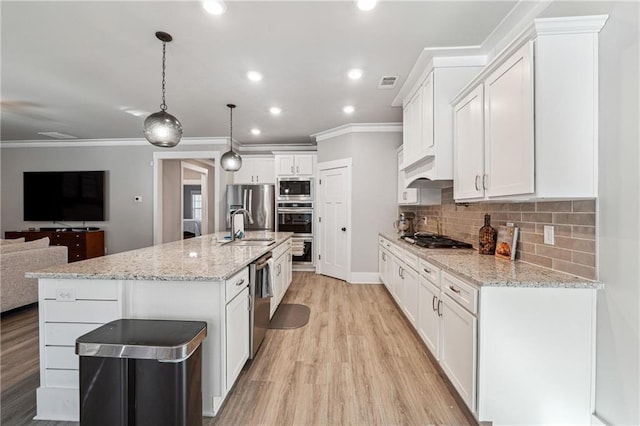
{"points": [[238, 223]]}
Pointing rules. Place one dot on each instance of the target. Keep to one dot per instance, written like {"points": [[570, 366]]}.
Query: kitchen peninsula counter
{"points": [[203, 258], [491, 271], [197, 279]]}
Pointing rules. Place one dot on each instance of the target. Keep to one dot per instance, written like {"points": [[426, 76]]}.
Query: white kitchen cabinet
{"points": [[282, 263], [295, 164], [540, 94], [237, 335], [409, 295], [427, 121], [469, 146], [428, 325], [256, 170]]}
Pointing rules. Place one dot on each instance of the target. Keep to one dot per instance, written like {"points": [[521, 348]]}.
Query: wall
{"points": [[573, 221], [129, 225], [618, 330], [373, 201], [171, 212]]}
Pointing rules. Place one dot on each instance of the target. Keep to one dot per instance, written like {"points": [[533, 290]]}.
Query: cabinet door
{"points": [[237, 334], [285, 165], [382, 264], [427, 146], [468, 146], [304, 165], [410, 294], [509, 156], [264, 170], [458, 351], [428, 319], [246, 172], [396, 279], [412, 131]]}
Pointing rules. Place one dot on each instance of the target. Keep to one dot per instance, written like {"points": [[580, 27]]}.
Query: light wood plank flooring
{"points": [[356, 362]]}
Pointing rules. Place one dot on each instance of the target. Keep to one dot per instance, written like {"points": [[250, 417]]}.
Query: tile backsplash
{"points": [[574, 222]]}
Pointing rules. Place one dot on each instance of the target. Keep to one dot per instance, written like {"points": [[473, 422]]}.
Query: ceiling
{"points": [[75, 67]]}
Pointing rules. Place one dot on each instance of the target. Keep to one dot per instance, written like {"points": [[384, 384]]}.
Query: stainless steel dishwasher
{"points": [[259, 286]]}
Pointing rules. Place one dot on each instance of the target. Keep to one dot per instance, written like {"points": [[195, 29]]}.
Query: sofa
{"points": [[18, 257]]}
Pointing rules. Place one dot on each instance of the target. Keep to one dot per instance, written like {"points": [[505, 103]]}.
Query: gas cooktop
{"points": [[434, 241]]}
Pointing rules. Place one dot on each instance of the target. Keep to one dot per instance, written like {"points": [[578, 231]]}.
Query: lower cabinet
{"points": [[237, 333], [409, 293], [282, 274], [429, 316]]}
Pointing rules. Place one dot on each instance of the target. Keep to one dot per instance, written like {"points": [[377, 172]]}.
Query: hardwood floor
{"points": [[356, 362]]}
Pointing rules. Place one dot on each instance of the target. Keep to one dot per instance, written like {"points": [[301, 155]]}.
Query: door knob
{"points": [[344, 229]]}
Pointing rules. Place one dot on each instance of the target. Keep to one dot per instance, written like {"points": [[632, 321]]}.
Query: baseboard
{"points": [[597, 421], [364, 278]]}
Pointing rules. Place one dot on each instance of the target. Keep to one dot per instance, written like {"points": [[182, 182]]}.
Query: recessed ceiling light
{"points": [[366, 5], [275, 110], [254, 76], [255, 132], [355, 74], [137, 112], [348, 109], [214, 7]]}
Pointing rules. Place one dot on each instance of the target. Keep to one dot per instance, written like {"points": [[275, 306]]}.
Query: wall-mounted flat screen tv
{"points": [[60, 196]]}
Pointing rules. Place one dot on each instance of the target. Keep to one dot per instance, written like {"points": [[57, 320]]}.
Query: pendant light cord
{"points": [[163, 105], [231, 129]]}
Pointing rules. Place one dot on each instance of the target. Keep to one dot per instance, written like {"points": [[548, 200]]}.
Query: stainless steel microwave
{"points": [[291, 188]]}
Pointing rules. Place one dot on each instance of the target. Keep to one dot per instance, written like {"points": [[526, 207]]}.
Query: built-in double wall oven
{"points": [[297, 217]]}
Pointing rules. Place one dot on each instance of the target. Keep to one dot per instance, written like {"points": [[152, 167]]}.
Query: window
{"points": [[196, 205]]}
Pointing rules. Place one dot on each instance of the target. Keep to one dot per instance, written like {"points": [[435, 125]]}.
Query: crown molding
{"points": [[570, 24], [358, 128], [74, 143]]}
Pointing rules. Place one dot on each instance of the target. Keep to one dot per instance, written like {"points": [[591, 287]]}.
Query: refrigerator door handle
{"points": [[244, 198], [249, 209]]}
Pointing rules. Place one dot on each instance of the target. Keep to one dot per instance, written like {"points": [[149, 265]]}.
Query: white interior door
{"points": [[334, 219]]}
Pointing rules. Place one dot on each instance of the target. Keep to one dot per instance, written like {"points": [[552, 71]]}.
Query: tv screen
{"points": [[60, 196]]}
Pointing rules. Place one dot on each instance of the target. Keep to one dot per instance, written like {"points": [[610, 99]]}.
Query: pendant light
{"points": [[161, 128], [230, 160]]}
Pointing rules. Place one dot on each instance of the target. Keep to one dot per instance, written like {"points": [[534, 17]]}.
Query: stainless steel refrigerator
{"points": [[259, 200]]}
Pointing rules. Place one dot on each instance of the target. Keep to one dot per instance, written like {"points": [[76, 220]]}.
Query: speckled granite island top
{"points": [[195, 259], [491, 271]]}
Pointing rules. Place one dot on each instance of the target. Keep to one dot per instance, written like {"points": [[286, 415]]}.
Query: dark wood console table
{"points": [[81, 244]]}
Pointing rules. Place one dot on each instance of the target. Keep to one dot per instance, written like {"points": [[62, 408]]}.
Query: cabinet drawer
{"points": [[397, 251], [411, 260], [82, 290], [69, 236], [85, 311], [430, 272], [282, 248], [463, 293], [236, 284], [65, 334], [61, 357], [61, 378]]}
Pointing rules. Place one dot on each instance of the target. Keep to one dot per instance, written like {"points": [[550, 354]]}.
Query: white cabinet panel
{"points": [[63, 357], [236, 284], [86, 311], [65, 334], [468, 141], [428, 319], [256, 170], [458, 349], [237, 333], [62, 378], [295, 165], [410, 293], [509, 156], [79, 290]]}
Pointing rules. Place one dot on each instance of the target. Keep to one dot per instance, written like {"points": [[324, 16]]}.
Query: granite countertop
{"points": [[492, 271], [202, 258]]}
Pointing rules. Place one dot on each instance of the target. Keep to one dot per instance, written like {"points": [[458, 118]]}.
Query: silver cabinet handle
{"points": [[476, 182], [240, 282], [484, 181], [257, 178], [455, 290], [291, 169], [297, 169], [426, 270], [439, 303], [433, 302], [249, 305], [384, 257], [251, 178]]}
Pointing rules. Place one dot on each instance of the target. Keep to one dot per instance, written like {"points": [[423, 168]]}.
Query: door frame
{"points": [[158, 157], [204, 185], [328, 165]]}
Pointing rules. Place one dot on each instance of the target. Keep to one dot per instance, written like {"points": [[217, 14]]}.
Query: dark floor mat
{"points": [[290, 315]]}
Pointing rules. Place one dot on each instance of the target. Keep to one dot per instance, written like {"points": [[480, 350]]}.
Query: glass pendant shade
{"points": [[162, 129], [231, 160]]}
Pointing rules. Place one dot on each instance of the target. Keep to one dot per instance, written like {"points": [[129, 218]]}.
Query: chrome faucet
{"points": [[232, 215]]}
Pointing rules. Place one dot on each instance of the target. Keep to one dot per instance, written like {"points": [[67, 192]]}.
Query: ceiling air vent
{"points": [[388, 82]]}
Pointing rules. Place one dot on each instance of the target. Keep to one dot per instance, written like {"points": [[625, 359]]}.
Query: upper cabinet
{"points": [[526, 127], [256, 170], [427, 118], [295, 164], [415, 196]]}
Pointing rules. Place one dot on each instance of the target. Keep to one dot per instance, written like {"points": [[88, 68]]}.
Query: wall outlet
{"points": [[549, 235], [137, 198], [65, 294]]}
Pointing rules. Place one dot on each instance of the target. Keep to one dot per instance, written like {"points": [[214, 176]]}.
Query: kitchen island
{"points": [[516, 341], [195, 279]]}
